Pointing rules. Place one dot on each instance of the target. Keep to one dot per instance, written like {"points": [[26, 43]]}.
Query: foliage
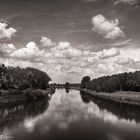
{"points": [[124, 81], [20, 78], [85, 82], [66, 85]]}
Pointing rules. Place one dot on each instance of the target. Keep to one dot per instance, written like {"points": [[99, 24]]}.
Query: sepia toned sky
{"points": [[71, 38]]}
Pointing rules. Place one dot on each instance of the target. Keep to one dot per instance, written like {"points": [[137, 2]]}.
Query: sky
{"points": [[69, 39]]}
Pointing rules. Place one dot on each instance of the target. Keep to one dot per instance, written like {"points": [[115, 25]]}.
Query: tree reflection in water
{"points": [[13, 114], [69, 117], [67, 90], [121, 110]]}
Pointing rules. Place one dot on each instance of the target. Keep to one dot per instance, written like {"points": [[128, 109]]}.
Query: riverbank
{"points": [[130, 98], [18, 96]]}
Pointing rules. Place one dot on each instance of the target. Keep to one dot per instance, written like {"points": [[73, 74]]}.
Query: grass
{"points": [[132, 98]]}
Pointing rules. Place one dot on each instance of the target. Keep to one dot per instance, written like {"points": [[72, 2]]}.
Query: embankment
{"points": [[18, 96], [130, 98]]}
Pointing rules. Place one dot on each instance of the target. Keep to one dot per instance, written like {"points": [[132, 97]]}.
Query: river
{"points": [[70, 116]]}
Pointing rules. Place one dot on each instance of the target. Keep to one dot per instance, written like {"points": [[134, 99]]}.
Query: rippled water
{"points": [[70, 116]]}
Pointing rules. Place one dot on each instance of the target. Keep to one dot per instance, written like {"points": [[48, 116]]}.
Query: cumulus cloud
{"points": [[124, 60], [129, 56], [64, 49], [109, 29], [55, 59], [7, 48], [130, 2], [6, 32], [63, 45], [109, 53], [71, 62], [31, 50], [46, 42]]}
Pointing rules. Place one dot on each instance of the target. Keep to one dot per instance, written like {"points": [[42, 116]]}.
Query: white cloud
{"points": [[46, 42], [127, 59], [53, 60], [64, 49], [7, 48], [31, 50], [6, 32], [71, 63], [129, 56], [130, 2], [109, 53], [122, 43], [109, 29], [63, 45]]}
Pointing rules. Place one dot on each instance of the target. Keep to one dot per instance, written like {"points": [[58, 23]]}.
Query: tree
{"points": [[124, 81], [85, 82], [20, 78]]}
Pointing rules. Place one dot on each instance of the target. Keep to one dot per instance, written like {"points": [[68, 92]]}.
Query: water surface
{"points": [[70, 116]]}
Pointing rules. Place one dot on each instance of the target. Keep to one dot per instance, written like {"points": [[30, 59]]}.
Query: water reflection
{"points": [[67, 90], [68, 117], [12, 115], [119, 109]]}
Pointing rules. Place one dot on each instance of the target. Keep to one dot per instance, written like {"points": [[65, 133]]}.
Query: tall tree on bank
{"points": [[85, 82]]}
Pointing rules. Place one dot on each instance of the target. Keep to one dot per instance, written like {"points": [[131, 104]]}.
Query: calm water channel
{"points": [[70, 116]]}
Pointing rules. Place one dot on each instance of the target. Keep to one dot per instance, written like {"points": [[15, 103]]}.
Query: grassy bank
{"points": [[132, 98]]}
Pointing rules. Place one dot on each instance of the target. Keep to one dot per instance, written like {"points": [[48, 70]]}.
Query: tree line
{"points": [[22, 78], [65, 85], [118, 82]]}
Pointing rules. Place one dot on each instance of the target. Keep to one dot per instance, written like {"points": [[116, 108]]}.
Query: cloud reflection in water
{"points": [[66, 109]]}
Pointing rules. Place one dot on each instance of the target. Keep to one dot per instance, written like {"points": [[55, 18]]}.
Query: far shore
{"points": [[126, 97]]}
